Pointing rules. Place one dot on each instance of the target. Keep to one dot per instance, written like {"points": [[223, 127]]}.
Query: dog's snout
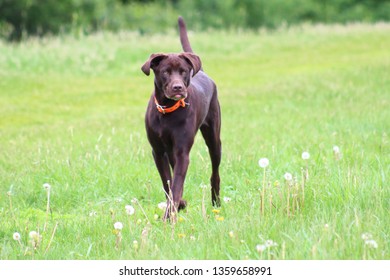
{"points": [[177, 87]]}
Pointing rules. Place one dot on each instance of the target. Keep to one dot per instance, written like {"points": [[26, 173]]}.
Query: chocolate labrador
{"points": [[184, 100]]}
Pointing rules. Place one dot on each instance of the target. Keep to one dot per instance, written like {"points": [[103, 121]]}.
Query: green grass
{"points": [[72, 116]]}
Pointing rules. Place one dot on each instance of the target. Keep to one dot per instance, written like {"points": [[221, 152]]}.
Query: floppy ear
{"points": [[193, 60], [152, 62]]}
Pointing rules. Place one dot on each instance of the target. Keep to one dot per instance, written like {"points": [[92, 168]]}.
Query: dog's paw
{"points": [[182, 204]]}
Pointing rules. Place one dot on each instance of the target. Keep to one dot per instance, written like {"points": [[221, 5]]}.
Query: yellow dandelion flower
{"points": [[216, 211], [181, 219], [181, 235], [219, 218]]}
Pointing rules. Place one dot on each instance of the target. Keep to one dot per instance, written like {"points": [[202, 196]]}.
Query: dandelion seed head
{"points": [[326, 226], [156, 216], [134, 200], [46, 186], [33, 234], [260, 248], [129, 210], [192, 238], [92, 214], [263, 162], [162, 205], [16, 236], [336, 149], [203, 186], [269, 243], [366, 236], [305, 155], [227, 199], [371, 243], [288, 176], [118, 226], [231, 234]]}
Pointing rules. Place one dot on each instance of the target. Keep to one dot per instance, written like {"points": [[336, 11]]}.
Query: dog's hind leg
{"points": [[211, 134]]}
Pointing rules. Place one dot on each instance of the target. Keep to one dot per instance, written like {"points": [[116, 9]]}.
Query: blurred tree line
{"points": [[19, 18]]}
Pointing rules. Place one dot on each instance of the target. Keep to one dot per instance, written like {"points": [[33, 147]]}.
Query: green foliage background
{"points": [[38, 17]]}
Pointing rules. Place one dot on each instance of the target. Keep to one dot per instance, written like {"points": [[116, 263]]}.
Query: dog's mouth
{"points": [[176, 95]]}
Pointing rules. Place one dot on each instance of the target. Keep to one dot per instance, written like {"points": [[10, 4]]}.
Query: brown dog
{"points": [[184, 100]]}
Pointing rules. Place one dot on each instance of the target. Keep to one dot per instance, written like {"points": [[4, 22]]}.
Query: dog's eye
{"points": [[166, 73]]}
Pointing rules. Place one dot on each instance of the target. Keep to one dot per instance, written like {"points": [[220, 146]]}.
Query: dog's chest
{"points": [[166, 127]]}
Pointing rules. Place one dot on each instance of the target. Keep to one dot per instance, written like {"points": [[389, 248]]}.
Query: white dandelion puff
{"points": [[371, 243], [326, 226], [263, 162], [46, 186], [134, 200], [129, 210], [366, 236], [269, 243], [162, 205], [288, 176], [33, 235], [260, 248], [336, 152], [227, 199], [93, 214], [16, 236], [118, 226], [305, 155]]}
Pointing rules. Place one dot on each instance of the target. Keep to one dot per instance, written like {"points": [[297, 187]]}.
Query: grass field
{"points": [[72, 112]]}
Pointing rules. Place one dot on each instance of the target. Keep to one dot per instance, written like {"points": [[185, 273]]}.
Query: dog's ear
{"points": [[152, 62], [193, 60]]}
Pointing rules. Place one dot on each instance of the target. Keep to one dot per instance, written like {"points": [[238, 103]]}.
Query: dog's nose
{"points": [[177, 87]]}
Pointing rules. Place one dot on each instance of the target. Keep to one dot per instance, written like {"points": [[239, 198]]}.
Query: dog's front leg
{"points": [[182, 160], [162, 164]]}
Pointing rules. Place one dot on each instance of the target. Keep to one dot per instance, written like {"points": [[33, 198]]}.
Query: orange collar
{"points": [[163, 110]]}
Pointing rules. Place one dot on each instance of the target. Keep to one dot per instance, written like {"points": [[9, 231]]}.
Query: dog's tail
{"points": [[185, 43]]}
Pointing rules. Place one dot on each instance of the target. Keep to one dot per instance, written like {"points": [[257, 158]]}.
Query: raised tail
{"points": [[185, 43]]}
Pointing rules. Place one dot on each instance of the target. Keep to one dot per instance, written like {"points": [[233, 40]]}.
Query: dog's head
{"points": [[173, 72]]}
